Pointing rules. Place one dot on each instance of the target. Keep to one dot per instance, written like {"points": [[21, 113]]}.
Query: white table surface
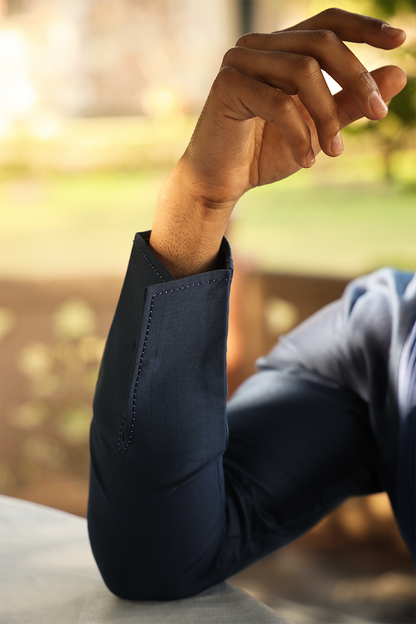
{"points": [[48, 576]]}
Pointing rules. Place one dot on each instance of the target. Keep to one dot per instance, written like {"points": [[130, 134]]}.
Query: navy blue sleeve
{"points": [[365, 342], [159, 430], [176, 503]]}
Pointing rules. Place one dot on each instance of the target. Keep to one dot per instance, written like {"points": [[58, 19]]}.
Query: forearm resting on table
{"points": [[187, 230]]}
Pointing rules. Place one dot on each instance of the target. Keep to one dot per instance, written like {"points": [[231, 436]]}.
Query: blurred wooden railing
{"points": [[263, 306], [53, 334]]}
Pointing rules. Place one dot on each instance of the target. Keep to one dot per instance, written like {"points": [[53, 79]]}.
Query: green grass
{"points": [[83, 224], [73, 224], [334, 230]]}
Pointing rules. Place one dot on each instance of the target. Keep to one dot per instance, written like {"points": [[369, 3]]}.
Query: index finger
{"points": [[332, 55], [355, 28]]}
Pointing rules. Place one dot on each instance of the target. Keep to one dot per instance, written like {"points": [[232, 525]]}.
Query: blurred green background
{"points": [[79, 175]]}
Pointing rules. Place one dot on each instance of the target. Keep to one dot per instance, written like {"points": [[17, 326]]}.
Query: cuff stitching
{"points": [[136, 384], [147, 259]]}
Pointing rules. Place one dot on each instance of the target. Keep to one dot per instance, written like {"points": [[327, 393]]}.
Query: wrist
{"points": [[188, 227]]}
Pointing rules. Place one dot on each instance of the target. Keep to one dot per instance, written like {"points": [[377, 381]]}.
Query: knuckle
{"points": [[309, 67], [242, 41], [225, 80], [364, 80], [230, 56], [331, 13], [245, 40], [329, 124], [303, 140], [332, 116], [284, 103], [326, 37]]}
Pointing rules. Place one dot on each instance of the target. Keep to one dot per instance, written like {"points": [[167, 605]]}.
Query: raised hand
{"points": [[269, 112]]}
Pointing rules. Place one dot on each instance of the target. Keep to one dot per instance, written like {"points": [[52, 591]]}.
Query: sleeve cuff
{"points": [[160, 272]]}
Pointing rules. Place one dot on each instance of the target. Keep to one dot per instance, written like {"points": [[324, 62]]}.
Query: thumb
{"points": [[390, 80]]}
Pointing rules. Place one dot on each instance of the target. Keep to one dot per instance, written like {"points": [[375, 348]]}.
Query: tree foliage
{"points": [[404, 104], [387, 8], [394, 131]]}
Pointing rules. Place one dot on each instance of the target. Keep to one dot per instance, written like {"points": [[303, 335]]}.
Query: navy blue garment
{"points": [[186, 491]]}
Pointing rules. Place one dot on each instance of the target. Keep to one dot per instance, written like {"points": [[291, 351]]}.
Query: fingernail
{"points": [[378, 106], [337, 146], [310, 158], [391, 31]]}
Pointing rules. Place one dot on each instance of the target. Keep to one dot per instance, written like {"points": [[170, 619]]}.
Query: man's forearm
{"points": [[187, 231]]}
